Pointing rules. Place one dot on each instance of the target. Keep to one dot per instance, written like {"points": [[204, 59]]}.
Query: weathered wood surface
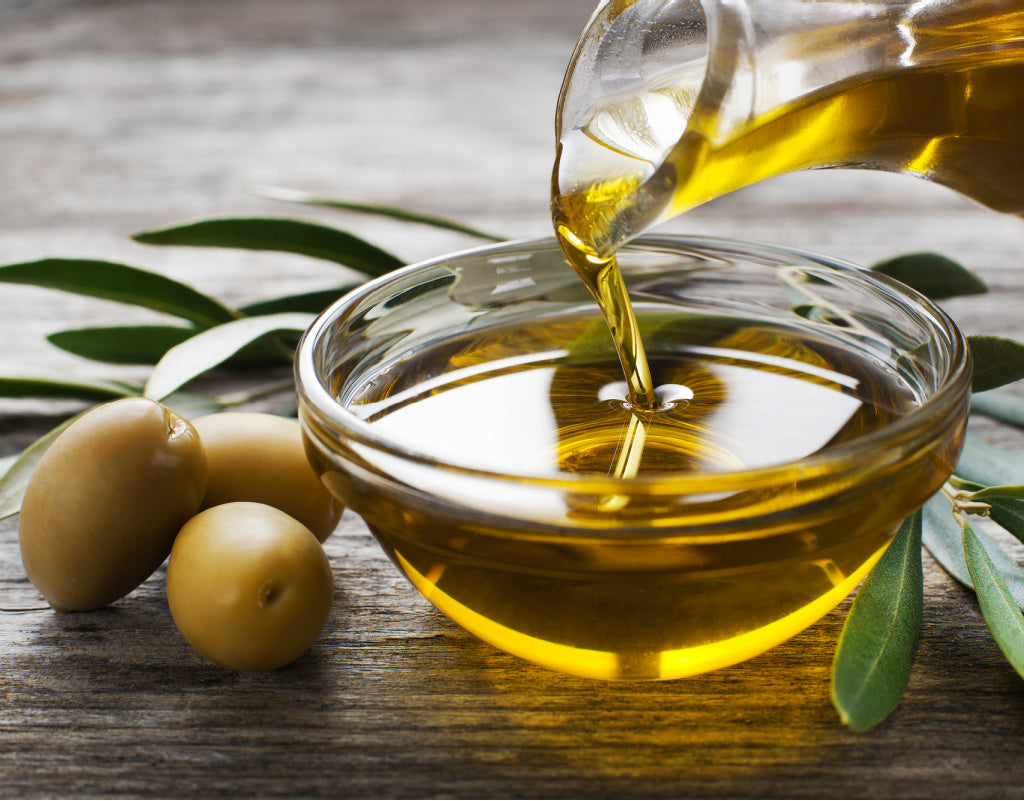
{"points": [[123, 115]]}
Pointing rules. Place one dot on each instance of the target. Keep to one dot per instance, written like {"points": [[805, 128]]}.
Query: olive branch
{"points": [[876, 649]]}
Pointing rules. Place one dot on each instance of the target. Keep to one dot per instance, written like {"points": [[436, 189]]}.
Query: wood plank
{"points": [[126, 115]]}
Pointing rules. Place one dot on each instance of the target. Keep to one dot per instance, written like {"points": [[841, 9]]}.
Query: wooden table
{"points": [[131, 114]]}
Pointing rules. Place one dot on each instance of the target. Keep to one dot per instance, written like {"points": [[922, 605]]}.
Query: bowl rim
{"points": [[316, 401]]}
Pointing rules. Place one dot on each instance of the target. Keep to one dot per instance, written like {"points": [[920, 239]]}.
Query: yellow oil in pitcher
{"points": [[953, 114]]}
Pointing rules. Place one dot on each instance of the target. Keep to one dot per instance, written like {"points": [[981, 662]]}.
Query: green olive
{"points": [[248, 586], [105, 502], [261, 458]]}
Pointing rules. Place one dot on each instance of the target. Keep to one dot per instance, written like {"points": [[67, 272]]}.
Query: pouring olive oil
{"points": [[669, 388]]}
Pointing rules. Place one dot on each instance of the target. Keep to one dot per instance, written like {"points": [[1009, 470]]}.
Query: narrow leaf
{"points": [[394, 212], [123, 344], [876, 648], [15, 480], [997, 361], [998, 607], [942, 537], [191, 405], [989, 465], [281, 235], [1008, 513], [121, 283], [308, 302], [933, 275], [29, 381], [196, 355], [1005, 503], [1002, 491], [1000, 405]]}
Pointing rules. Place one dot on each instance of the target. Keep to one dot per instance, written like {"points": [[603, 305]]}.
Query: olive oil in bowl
{"points": [[474, 411]]}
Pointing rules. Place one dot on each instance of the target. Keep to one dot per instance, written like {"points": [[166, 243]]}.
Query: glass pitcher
{"points": [[669, 103]]}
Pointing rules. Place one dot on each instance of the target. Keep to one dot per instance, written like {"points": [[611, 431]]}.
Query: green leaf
{"points": [[998, 606], [942, 538], [281, 235], [1008, 513], [29, 381], [149, 344], [997, 361], [933, 275], [122, 344], [206, 350], [999, 492], [876, 648], [1006, 503], [121, 283], [394, 212], [989, 465], [15, 480], [191, 405], [1000, 405], [308, 302]]}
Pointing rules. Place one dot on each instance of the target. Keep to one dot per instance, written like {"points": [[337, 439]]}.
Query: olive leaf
{"points": [[943, 539], [877, 644], [30, 381], [1014, 492], [997, 361], [310, 302], [1005, 503], [121, 283], [1000, 405], [1009, 514], [1006, 507], [121, 344], [394, 212], [999, 608], [933, 275], [280, 235], [15, 479], [988, 464], [191, 405], [212, 347]]}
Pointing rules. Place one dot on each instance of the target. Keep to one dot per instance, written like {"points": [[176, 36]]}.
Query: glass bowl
{"points": [[471, 410]]}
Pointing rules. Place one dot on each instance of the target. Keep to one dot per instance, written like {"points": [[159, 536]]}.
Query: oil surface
{"points": [[543, 400], [739, 395]]}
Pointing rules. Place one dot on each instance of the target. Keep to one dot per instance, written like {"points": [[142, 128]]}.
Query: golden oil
{"points": [[547, 400]]}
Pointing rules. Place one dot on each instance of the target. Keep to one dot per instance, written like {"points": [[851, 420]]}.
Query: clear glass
{"points": [[669, 103], [710, 553]]}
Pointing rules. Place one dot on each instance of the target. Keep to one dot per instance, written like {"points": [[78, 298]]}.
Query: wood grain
{"points": [[119, 116]]}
